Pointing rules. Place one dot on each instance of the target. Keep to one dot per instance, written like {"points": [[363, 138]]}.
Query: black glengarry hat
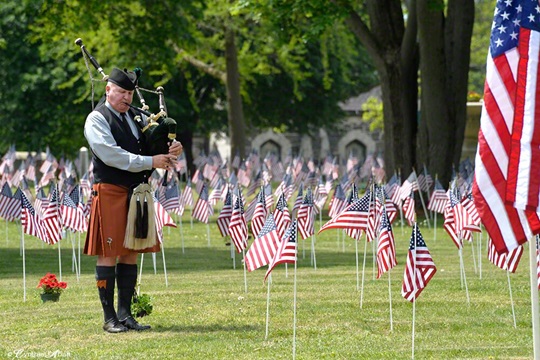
{"points": [[123, 78]]}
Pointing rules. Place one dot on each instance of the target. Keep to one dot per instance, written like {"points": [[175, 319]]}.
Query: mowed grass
{"points": [[202, 311]]}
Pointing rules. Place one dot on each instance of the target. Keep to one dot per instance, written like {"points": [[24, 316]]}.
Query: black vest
{"points": [[111, 175]]}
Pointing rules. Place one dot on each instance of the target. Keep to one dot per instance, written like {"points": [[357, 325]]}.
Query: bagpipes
{"points": [[161, 129]]}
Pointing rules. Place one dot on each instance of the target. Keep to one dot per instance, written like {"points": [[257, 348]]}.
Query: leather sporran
{"points": [[141, 223]]}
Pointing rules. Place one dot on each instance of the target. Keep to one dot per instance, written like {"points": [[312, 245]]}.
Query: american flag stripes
{"points": [[495, 167], [506, 261], [420, 267], [338, 202], [52, 222], [162, 219], [201, 210], [31, 224], [282, 216], [286, 252], [259, 214], [437, 201], [10, 205], [224, 217], [409, 211], [187, 194], [386, 248], [264, 247], [355, 216], [72, 215], [238, 226], [306, 221]]}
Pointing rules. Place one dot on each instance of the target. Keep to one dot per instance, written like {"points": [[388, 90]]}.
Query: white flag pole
{"points": [[164, 265], [480, 252], [24, 265], [390, 301], [294, 308], [534, 297], [140, 274], [474, 257], [511, 297], [363, 275], [414, 300], [463, 277], [245, 274], [233, 257], [357, 268], [422, 200], [268, 306], [313, 256], [154, 263], [79, 249], [60, 260], [435, 227]]}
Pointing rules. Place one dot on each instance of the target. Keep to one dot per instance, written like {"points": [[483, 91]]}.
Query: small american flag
{"points": [[224, 217], [306, 221], [386, 249], [187, 194], [238, 226], [31, 224], [72, 215], [420, 267], [264, 247], [409, 210], [10, 206], [259, 214], [51, 218], [354, 216], [437, 201], [201, 210], [286, 252], [282, 215]]}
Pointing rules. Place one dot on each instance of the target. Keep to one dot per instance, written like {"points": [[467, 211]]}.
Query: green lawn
{"points": [[205, 313]]}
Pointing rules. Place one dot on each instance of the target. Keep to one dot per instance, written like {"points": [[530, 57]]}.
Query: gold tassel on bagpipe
{"points": [[141, 223]]}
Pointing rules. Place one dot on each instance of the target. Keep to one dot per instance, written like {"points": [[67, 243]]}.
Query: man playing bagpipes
{"points": [[122, 166]]}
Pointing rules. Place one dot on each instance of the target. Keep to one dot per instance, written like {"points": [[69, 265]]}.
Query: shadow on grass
{"points": [[206, 328], [192, 259]]}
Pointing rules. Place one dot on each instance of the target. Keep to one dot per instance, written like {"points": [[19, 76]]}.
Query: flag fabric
{"points": [[386, 248], [282, 216], [408, 186], [338, 202], [299, 198], [170, 198], [31, 224], [504, 122], [505, 261], [438, 199], [286, 252], [409, 211], [306, 221], [10, 205], [523, 183], [52, 221], [162, 219], [259, 214], [355, 216], [238, 226], [264, 247], [224, 217], [72, 215], [449, 225], [201, 210], [420, 267]]}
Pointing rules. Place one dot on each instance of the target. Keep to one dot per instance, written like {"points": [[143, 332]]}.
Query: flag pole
{"points": [[294, 307], [390, 301], [79, 250], [154, 263], [422, 200], [59, 260], [24, 265], [534, 296], [313, 256], [480, 252], [245, 274], [233, 256], [140, 274], [463, 277], [474, 256], [435, 227], [511, 298], [357, 269], [363, 275], [164, 265], [268, 305]]}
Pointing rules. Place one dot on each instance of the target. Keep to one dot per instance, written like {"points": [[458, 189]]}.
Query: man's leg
{"points": [[105, 277], [126, 279]]}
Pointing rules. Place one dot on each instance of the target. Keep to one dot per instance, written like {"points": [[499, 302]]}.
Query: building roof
{"points": [[354, 104]]}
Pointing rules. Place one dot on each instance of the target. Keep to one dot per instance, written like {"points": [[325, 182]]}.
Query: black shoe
{"points": [[114, 326], [132, 324]]}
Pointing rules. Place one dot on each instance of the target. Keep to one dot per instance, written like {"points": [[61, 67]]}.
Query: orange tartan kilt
{"points": [[108, 219]]}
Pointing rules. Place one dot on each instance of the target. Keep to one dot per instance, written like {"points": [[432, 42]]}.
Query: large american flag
{"points": [[512, 67], [264, 247], [286, 252], [420, 267]]}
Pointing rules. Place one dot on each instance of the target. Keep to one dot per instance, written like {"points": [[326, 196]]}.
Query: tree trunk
{"points": [[235, 112], [435, 107], [459, 27]]}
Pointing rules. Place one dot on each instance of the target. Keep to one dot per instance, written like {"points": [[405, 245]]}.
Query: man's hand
{"points": [[176, 148]]}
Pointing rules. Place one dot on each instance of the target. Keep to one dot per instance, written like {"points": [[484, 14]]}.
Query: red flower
{"points": [[50, 284]]}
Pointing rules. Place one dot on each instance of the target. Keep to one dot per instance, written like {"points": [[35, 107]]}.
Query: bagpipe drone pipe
{"points": [[160, 130]]}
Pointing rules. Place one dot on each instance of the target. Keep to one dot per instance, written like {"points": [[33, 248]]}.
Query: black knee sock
{"points": [[105, 276], [126, 279]]}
